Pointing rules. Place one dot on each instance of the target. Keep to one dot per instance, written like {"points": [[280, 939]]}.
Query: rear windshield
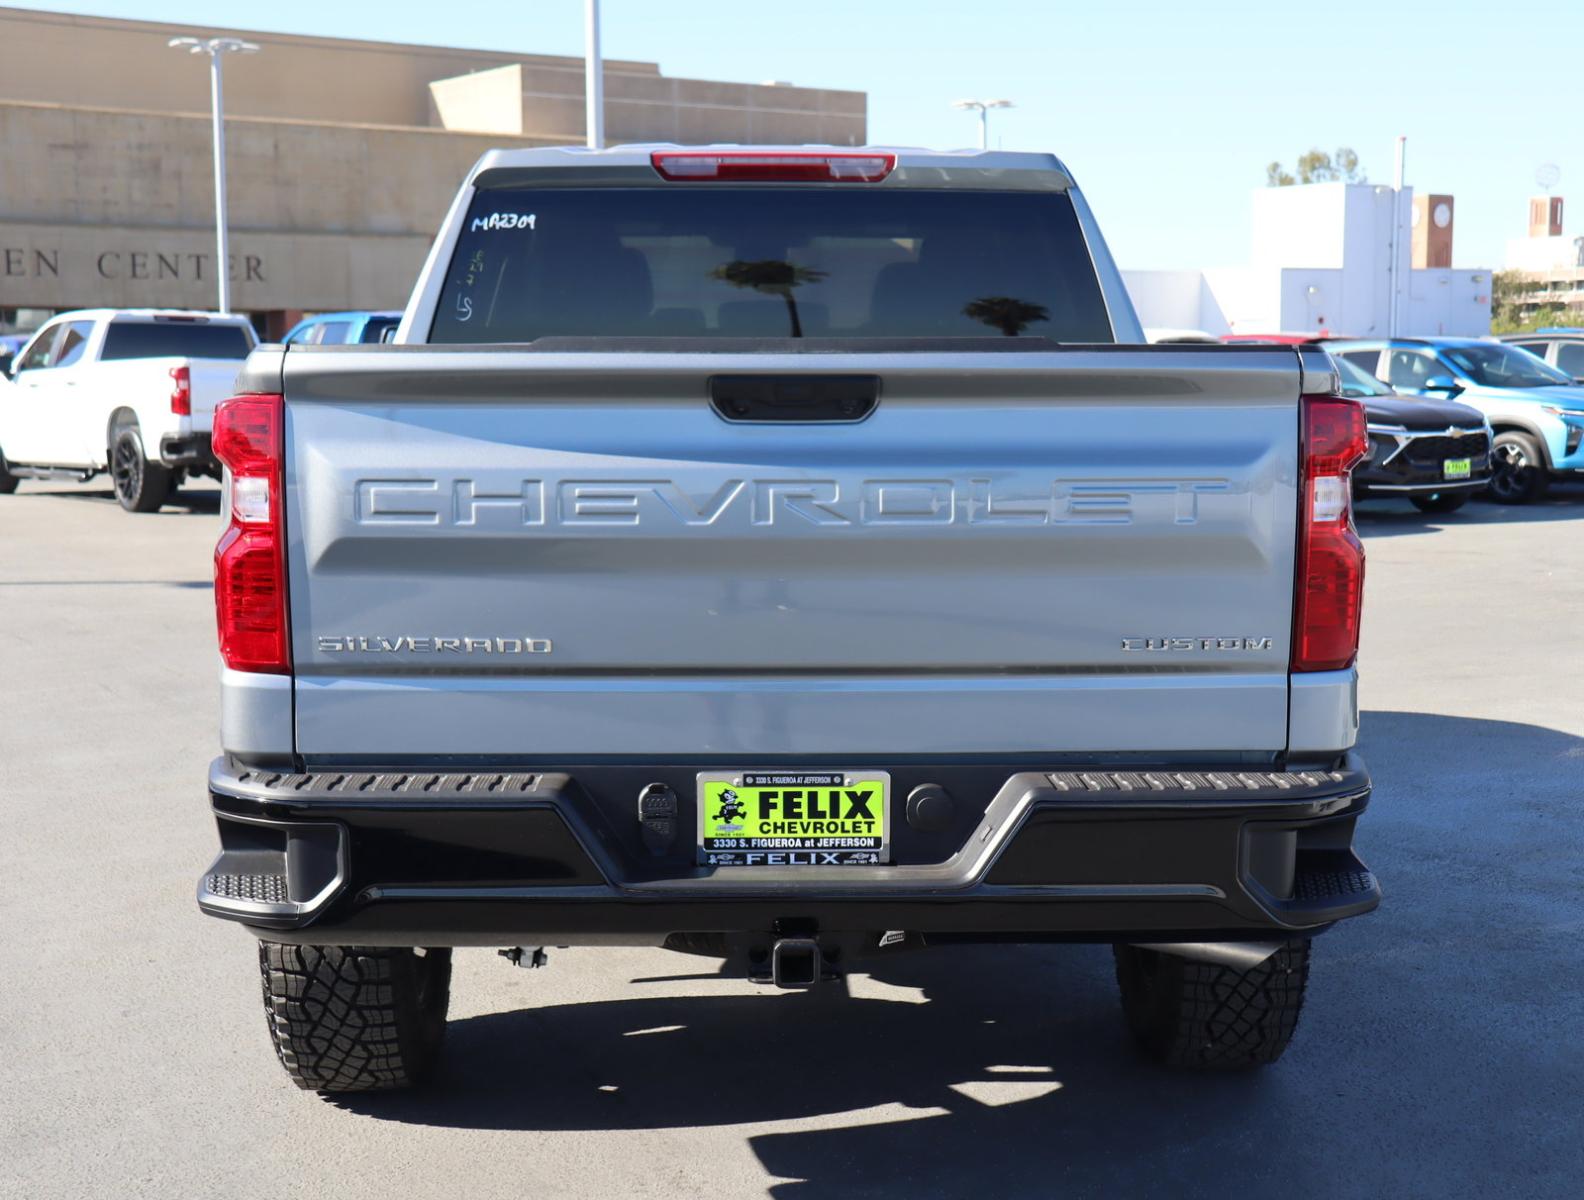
{"points": [[708, 261], [174, 339]]}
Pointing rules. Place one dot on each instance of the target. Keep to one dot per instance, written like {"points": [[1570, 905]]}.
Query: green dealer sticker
{"points": [[794, 818]]}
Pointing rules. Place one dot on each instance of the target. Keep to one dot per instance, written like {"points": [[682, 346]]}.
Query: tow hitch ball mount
{"points": [[795, 958]]}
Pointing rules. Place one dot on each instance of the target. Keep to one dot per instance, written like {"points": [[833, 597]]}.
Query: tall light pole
{"points": [[983, 108], [593, 76], [1394, 301], [217, 49]]}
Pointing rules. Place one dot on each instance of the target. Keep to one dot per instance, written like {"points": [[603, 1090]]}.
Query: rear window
{"points": [[709, 261], [174, 339]]}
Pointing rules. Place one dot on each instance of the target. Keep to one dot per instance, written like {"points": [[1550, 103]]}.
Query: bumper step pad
{"points": [[1243, 784], [1316, 887], [266, 889]]}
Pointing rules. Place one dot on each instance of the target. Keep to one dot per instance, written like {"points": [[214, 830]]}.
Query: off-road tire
{"points": [[1519, 474], [141, 485], [1186, 1013], [1440, 502], [8, 481], [355, 1018]]}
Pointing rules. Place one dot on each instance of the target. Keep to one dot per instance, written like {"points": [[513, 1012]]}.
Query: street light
{"points": [[217, 49], [593, 77], [983, 107]]}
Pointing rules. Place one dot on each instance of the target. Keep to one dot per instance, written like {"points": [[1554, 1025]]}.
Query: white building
{"points": [[1321, 260], [1549, 262]]}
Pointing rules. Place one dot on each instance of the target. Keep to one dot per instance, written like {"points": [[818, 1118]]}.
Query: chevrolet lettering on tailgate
{"points": [[793, 818]]}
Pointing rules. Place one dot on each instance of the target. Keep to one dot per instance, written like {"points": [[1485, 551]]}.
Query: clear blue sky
{"points": [[1167, 112]]}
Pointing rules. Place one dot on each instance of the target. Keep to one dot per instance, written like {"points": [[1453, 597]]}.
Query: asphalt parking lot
{"points": [[1441, 1054]]}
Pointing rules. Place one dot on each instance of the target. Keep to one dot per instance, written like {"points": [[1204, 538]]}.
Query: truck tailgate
{"points": [[213, 379], [500, 552]]}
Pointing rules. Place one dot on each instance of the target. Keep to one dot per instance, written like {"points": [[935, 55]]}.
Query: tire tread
{"points": [[1210, 1015], [347, 1019]]}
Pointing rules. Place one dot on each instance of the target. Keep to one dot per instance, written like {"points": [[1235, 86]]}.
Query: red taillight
{"points": [[250, 559], [181, 391], [1330, 592], [783, 166]]}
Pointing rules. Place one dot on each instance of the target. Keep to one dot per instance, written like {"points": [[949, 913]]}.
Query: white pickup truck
{"points": [[129, 391]]}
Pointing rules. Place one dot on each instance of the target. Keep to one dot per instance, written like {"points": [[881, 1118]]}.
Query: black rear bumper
{"points": [[192, 453], [509, 858]]}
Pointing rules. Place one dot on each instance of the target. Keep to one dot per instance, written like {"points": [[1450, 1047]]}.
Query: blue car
{"points": [[10, 346], [344, 329], [1535, 410]]}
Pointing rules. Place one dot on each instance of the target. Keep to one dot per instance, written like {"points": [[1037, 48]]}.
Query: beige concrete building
{"points": [[1547, 268], [341, 156]]}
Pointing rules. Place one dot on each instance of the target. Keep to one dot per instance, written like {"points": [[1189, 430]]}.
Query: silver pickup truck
{"points": [[783, 555]]}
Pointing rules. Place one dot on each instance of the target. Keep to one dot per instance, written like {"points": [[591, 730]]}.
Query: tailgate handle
{"points": [[794, 398]]}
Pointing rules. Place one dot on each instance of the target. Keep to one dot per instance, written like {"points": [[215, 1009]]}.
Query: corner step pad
{"points": [[265, 889], [1332, 885]]}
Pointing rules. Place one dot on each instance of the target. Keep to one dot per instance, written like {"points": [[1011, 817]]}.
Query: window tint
{"points": [[41, 353], [1536, 348], [74, 340], [1408, 369], [1357, 382], [1365, 360], [1570, 358], [379, 330], [330, 333], [1496, 365], [707, 261], [174, 339]]}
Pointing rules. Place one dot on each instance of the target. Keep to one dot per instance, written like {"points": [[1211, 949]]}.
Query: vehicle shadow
{"points": [[1379, 517], [199, 501], [1438, 1054]]}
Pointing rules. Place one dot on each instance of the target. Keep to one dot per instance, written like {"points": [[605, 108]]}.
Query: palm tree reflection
{"points": [[1006, 313], [771, 277]]}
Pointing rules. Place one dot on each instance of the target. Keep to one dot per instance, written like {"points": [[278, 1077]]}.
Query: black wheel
{"points": [[140, 485], [1197, 1014], [8, 481], [355, 1018], [1519, 474], [1440, 502]]}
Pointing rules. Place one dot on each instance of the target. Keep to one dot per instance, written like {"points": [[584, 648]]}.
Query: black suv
{"points": [[1435, 452]]}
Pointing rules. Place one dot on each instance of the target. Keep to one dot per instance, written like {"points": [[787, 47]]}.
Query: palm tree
{"points": [[772, 277], [1006, 313]]}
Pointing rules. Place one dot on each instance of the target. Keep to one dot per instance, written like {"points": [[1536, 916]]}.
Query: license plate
{"points": [[794, 818], [1457, 468]]}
